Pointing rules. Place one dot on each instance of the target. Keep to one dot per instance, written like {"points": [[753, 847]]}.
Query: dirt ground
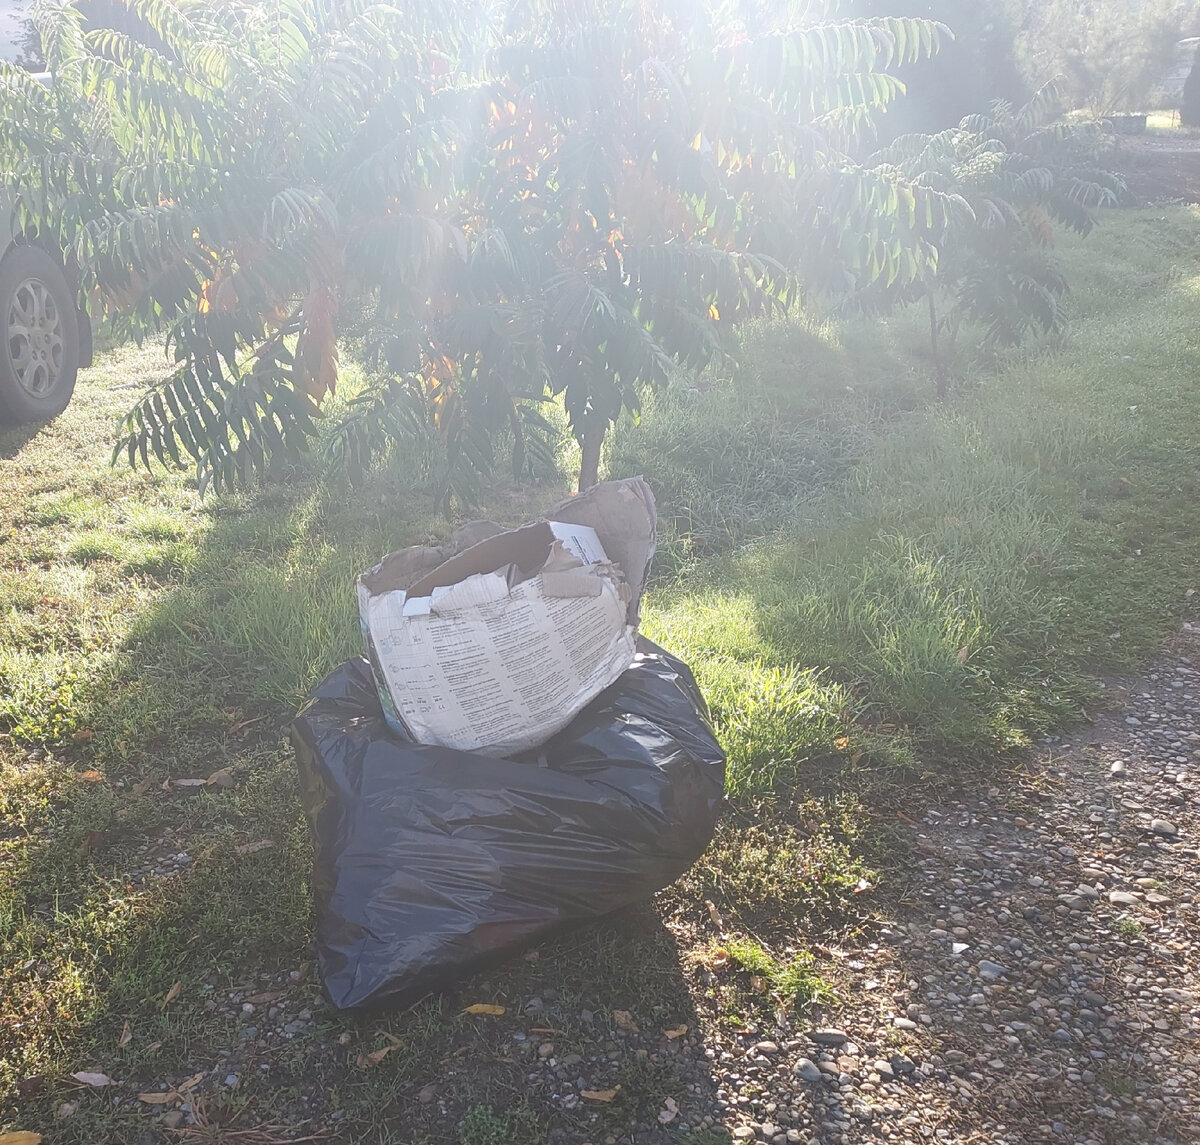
{"points": [[1159, 168]]}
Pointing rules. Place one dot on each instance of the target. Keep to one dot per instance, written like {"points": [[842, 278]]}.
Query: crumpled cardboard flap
{"points": [[624, 517], [622, 512], [496, 640]]}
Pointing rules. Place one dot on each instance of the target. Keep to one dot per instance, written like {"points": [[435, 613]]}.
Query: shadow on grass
{"points": [[14, 438], [129, 882]]}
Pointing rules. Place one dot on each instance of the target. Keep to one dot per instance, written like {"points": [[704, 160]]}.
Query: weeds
{"points": [[792, 979], [1128, 928], [483, 1125]]}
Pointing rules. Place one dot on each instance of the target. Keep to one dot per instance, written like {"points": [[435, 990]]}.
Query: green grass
{"points": [[872, 588], [792, 980], [961, 586], [1166, 124]]}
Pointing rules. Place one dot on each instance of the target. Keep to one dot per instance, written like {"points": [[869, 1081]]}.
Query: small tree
{"points": [[1014, 174], [504, 201]]}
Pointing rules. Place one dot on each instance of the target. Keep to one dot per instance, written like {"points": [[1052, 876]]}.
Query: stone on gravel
{"points": [[991, 969], [1163, 827], [829, 1037], [807, 1070], [1122, 898]]}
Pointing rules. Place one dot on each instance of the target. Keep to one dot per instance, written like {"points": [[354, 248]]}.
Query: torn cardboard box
{"points": [[498, 644]]}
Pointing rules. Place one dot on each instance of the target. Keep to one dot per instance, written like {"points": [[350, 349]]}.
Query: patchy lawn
{"points": [[870, 588]]}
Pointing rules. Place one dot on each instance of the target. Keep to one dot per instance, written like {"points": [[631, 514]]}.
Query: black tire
{"points": [[39, 357]]}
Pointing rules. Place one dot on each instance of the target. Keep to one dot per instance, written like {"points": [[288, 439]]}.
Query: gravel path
{"points": [[1042, 984]]}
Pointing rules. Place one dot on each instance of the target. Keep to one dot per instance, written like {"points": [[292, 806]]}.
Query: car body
{"points": [[45, 338]]}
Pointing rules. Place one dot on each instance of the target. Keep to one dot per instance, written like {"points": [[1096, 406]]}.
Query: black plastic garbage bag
{"points": [[432, 862]]}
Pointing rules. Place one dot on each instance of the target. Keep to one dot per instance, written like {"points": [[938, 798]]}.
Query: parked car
{"points": [[46, 338]]}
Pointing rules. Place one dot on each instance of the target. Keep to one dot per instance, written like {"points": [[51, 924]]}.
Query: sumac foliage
{"points": [[1015, 174], [495, 202]]}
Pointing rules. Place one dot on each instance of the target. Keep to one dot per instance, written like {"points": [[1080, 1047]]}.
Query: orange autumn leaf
{"points": [[624, 1020], [600, 1094], [316, 347], [365, 1061]]}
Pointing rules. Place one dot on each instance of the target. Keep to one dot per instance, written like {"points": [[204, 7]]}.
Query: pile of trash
{"points": [[509, 759]]}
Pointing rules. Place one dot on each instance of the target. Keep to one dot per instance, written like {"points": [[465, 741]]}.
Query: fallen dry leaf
{"points": [[220, 778], [719, 958], [265, 996], [158, 1098], [83, 735], [20, 1137], [141, 787], [251, 848], [669, 1112], [126, 1036], [97, 1079], [374, 1057], [153, 1047], [963, 653], [548, 1030], [599, 1094], [624, 1020], [714, 914], [92, 776], [188, 782], [191, 1082], [485, 1008], [172, 994], [841, 743], [66, 1109], [677, 1032], [758, 983]]}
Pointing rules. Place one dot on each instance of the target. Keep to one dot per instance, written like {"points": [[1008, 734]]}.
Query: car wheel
{"points": [[39, 351]]}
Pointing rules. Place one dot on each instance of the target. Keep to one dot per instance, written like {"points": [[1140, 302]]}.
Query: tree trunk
{"points": [[589, 465], [1189, 104], [939, 369]]}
